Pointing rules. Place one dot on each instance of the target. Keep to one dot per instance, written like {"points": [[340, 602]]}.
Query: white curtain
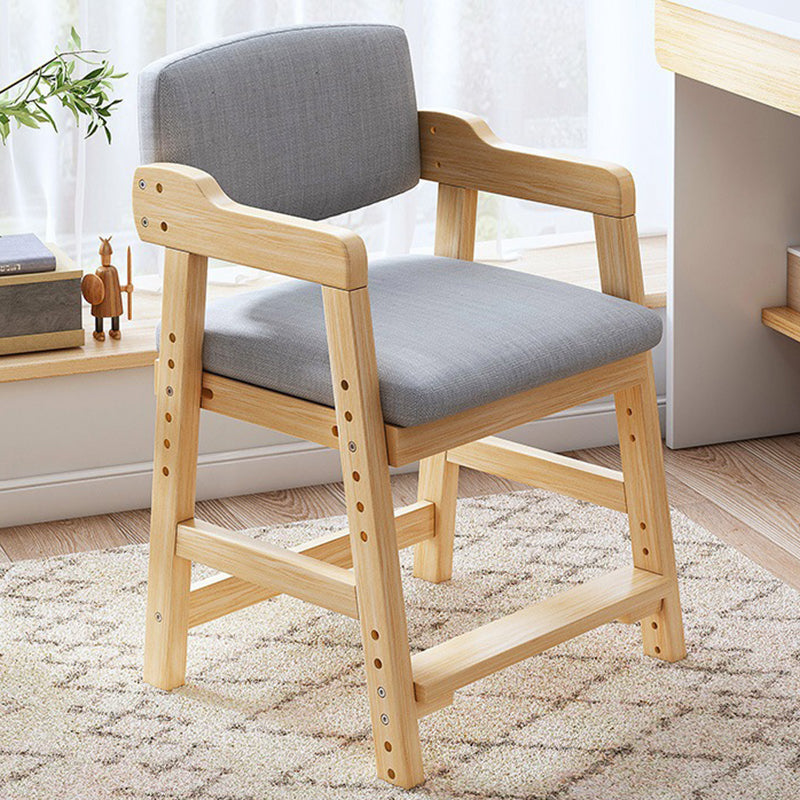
{"points": [[569, 75]]}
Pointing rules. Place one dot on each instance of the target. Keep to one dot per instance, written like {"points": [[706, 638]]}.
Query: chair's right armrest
{"points": [[461, 150], [184, 208]]}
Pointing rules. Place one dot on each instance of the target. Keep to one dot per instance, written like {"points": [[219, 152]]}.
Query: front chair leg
{"points": [[174, 467], [438, 483], [648, 509], [373, 541]]}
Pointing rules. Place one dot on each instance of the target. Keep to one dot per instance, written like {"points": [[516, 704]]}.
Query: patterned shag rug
{"points": [[275, 706]]}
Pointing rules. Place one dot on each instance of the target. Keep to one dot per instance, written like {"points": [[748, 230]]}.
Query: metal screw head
{"points": [[381, 691], [385, 719], [351, 446], [142, 183], [170, 391], [145, 222], [158, 616]]}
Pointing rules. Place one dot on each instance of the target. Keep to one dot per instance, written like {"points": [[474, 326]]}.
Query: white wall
{"points": [[81, 445]]}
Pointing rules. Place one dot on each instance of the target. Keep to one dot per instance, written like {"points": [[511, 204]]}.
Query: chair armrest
{"points": [[460, 149], [184, 208]]}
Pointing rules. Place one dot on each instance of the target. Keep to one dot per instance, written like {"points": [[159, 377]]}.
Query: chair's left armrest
{"points": [[184, 208], [460, 149]]}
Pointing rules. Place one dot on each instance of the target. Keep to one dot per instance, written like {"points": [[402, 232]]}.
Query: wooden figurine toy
{"points": [[102, 289]]}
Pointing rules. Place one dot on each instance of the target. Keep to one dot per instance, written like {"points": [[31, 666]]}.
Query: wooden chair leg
{"points": [[372, 537], [648, 510], [438, 483], [174, 466]]}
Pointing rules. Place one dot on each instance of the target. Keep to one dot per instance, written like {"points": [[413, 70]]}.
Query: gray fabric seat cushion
{"points": [[449, 335], [312, 121]]}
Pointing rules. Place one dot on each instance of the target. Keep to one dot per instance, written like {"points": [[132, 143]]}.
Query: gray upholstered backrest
{"points": [[312, 120]]}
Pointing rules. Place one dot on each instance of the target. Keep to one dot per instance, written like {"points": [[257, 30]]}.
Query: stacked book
{"points": [[40, 297]]}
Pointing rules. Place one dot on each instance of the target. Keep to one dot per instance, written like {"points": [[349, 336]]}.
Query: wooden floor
{"points": [[744, 492]]}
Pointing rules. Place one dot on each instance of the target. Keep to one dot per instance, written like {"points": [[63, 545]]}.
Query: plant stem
{"points": [[46, 64]]}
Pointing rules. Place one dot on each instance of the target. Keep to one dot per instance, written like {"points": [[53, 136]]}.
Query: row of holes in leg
{"points": [[167, 415], [374, 634], [642, 525], [645, 551]]}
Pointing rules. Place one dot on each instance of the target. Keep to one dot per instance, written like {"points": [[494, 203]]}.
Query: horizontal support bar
{"points": [[405, 445], [283, 570], [448, 666], [317, 423], [518, 462], [223, 594], [279, 412]]}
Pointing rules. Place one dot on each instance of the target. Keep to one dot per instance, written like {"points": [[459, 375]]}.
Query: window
{"points": [[575, 76]]}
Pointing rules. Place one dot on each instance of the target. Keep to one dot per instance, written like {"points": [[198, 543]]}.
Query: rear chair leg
{"points": [[174, 467], [438, 483], [373, 540], [648, 510]]}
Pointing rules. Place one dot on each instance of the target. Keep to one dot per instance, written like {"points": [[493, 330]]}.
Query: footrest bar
{"points": [[441, 670]]}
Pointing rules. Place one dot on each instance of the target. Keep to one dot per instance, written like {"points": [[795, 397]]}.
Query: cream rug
{"points": [[275, 706]]}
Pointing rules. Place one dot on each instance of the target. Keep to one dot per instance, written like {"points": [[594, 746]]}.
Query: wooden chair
{"points": [[344, 94]]}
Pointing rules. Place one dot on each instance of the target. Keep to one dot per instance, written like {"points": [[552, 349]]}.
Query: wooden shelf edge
{"points": [[783, 319], [135, 349]]}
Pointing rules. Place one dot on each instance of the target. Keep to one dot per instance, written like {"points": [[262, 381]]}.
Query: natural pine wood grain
{"points": [[180, 375]]}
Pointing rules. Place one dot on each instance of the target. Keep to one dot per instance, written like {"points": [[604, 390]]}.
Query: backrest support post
{"points": [[456, 211], [619, 257]]}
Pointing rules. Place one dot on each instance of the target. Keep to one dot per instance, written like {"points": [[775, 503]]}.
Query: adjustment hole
{"points": [[378, 663], [387, 746], [345, 385], [629, 412], [657, 649], [165, 470], [390, 773], [375, 635], [433, 129], [172, 338], [207, 393], [335, 430], [643, 526], [166, 443], [364, 536], [438, 164], [159, 188], [168, 417], [164, 226], [360, 506], [348, 416], [645, 551], [171, 364], [356, 477], [633, 438], [654, 626]]}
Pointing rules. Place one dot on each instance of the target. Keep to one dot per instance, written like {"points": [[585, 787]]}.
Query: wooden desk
{"points": [[737, 209]]}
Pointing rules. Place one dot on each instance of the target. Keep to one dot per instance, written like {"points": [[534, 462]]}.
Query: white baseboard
{"points": [[124, 487]]}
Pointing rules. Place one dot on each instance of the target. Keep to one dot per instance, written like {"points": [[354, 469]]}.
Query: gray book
{"points": [[24, 253]]}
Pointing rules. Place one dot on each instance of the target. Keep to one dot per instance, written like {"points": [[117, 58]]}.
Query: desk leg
{"points": [[737, 208]]}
